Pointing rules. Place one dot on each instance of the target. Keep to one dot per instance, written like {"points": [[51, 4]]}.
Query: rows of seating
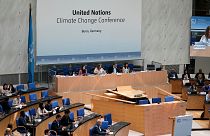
{"points": [[157, 100]]}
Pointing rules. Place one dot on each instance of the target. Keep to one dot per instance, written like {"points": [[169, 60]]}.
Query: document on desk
{"points": [[183, 122]]}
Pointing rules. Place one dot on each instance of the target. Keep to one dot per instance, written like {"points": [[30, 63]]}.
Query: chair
{"points": [[49, 125], [55, 104], [32, 112], [156, 100], [23, 99], [10, 102], [169, 98], [20, 87], [66, 101], [81, 112], [91, 131], [131, 66], [140, 102], [104, 124], [71, 115], [31, 86], [1, 109], [27, 113], [33, 97], [20, 129], [44, 94], [108, 117]]}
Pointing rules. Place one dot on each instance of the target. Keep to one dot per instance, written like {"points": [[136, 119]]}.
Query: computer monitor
{"points": [[150, 67]]}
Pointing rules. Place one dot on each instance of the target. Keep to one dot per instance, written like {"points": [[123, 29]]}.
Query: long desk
{"points": [[85, 125], [95, 82], [39, 127], [120, 129], [195, 102], [14, 113]]}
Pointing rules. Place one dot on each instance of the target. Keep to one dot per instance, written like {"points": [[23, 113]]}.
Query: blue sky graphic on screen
{"points": [[87, 31]]}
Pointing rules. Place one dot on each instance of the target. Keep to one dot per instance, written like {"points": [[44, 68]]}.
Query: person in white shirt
{"points": [[205, 39], [41, 111], [126, 69], [99, 70], [208, 97], [16, 101]]}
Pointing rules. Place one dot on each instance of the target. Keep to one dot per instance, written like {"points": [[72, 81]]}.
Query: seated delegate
{"points": [[23, 119], [83, 71], [99, 70], [205, 39], [66, 122], [206, 87], [97, 130], [56, 125], [113, 69], [172, 74], [200, 77], [41, 111], [125, 68], [192, 89], [185, 77], [208, 97]]}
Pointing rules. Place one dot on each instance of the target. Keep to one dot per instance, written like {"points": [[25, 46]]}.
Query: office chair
{"points": [[20, 87], [44, 94], [32, 112], [10, 102], [55, 104], [49, 125], [71, 115], [169, 98], [156, 100], [23, 99], [140, 102], [66, 101], [32, 97], [81, 112], [31, 86], [108, 117], [104, 124]]}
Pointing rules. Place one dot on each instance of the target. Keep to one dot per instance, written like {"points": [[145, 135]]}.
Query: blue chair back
{"points": [[156, 100], [44, 94], [140, 102], [31, 86], [91, 131], [71, 115], [27, 113], [32, 112], [10, 102], [55, 104], [104, 124], [130, 66], [81, 112], [169, 98], [33, 97], [49, 125], [108, 117], [66, 101], [1, 109], [23, 99], [20, 87]]}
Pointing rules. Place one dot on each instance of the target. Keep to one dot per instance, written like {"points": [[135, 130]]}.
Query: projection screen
{"points": [[70, 31]]}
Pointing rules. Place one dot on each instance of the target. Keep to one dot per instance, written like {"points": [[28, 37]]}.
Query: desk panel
{"points": [[70, 83], [195, 102]]}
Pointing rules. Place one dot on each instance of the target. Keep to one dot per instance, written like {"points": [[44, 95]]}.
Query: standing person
{"points": [[83, 71], [205, 39], [200, 77]]}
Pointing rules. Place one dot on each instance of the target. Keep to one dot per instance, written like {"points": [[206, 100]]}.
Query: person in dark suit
{"points": [[23, 119], [200, 77], [97, 130], [66, 121], [56, 125], [113, 69], [172, 74], [48, 106]]}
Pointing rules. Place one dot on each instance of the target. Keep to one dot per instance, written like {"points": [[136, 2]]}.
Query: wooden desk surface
{"points": [[131, 94]]}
